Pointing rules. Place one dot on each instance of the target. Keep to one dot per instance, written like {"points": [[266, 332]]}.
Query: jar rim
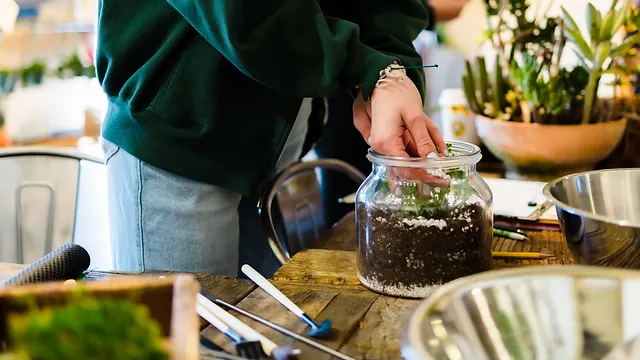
{"points": [[465, 154]]}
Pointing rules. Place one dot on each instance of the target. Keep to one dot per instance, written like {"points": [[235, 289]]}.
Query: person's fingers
{"points": [[436, 136], [416, 123], [386, 132], [409, 145], [361, 119]]}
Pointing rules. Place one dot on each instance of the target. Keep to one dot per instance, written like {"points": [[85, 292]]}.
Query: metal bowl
{"points": [[546, 312], [599, 212]]}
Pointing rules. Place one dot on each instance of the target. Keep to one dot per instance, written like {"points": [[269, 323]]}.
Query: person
{"points": [[340, 141], [208, 99]]}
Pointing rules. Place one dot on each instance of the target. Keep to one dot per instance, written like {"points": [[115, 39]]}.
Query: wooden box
{"points": [[171, 302]]}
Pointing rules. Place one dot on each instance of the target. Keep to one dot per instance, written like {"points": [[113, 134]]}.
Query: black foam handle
{"points": [[67, 262]]}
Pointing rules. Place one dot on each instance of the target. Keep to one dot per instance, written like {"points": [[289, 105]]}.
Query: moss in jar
{"points": [[86, 329], [412, 244]]}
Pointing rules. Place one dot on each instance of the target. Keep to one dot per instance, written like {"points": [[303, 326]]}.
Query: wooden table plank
{"points": [[320, 267], [377, 337]]}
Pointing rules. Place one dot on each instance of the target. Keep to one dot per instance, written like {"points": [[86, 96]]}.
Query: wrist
{"points": [[393, 72]]}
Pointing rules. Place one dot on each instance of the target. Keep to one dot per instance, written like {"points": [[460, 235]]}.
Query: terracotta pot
{"points": [[545, 152]]}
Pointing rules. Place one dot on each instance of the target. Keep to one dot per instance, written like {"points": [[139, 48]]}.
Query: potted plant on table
{"points": [[544, 120]]}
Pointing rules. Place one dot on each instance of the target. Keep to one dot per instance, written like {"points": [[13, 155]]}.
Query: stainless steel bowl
{"points": [[599, 212], [541, 313]]}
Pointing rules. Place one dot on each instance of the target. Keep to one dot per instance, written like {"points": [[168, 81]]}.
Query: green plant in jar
{"points": [[423, 222]]}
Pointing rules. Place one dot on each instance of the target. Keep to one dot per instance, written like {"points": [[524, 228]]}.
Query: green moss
{"points": [[87, 329]]}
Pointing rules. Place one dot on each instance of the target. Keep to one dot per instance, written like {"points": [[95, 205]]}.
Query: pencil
{"points": [[521, 255]]}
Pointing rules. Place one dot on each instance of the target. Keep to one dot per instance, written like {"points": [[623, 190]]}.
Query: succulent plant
{"points": [[487, 97], [529, 84]]}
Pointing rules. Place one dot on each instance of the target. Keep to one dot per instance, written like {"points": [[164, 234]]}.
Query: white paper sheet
{"points": [[511, 198]]}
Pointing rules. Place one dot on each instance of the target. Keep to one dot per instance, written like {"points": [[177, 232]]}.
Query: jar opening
{"points": [[464, 154]]}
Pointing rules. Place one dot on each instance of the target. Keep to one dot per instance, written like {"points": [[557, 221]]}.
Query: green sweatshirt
{"points": [[209, 89]]}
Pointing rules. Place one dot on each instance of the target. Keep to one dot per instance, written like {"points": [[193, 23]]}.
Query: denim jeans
{"points": [[162, 221]]}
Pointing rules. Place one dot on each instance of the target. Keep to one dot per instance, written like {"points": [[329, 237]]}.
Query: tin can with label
{"points": [[458, 121]]}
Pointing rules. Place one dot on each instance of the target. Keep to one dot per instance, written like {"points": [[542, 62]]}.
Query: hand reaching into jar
{"points": [[394, 123]]}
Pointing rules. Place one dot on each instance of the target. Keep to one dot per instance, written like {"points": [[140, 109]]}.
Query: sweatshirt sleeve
{"points": [[287, 45], [392, 26]]}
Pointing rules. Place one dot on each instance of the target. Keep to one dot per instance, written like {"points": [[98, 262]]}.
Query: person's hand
{"points": [[393, 123], [362, 122], [446, 10], [399, 125]]}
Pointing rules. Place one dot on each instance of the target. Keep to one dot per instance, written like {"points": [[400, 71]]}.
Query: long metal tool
{"points": [[279, 328], [317, 330]]}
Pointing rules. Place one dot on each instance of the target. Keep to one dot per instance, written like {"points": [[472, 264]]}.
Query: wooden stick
{"points": [[521, 255]]}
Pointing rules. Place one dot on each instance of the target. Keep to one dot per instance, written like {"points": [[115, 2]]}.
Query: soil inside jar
{"points": [[408, 255]]}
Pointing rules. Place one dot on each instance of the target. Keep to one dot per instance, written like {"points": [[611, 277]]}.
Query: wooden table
{"points": [[323, 282]]}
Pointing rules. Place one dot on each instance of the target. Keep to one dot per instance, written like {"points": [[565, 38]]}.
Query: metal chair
{"points": [[297, 193], [49, 197]]}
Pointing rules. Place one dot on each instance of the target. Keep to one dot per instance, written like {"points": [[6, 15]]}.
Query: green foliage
{"points": [[597, 49], [537, 88], [74, 67], [491, 101], [420, 199], [547, 97], [33, 74], [87, 329]]}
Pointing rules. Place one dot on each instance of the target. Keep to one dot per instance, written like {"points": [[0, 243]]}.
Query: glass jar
{"points": [[423, 222]]}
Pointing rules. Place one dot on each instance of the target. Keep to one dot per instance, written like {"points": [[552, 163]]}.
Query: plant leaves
{"points": [[594, 21], [581, 58], [602, 54], [576, 38], [620, 17], [483, 80], [615, 71], [607, 25]]}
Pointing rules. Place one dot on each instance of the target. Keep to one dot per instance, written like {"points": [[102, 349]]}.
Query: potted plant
{"points": [[541, 119]]}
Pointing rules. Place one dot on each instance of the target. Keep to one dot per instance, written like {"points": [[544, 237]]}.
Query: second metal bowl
{"points": [[599, 212], [528, 313]]}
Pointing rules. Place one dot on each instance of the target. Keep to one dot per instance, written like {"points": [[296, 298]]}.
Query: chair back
{"points": [[50, 197], [293, 202]]}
